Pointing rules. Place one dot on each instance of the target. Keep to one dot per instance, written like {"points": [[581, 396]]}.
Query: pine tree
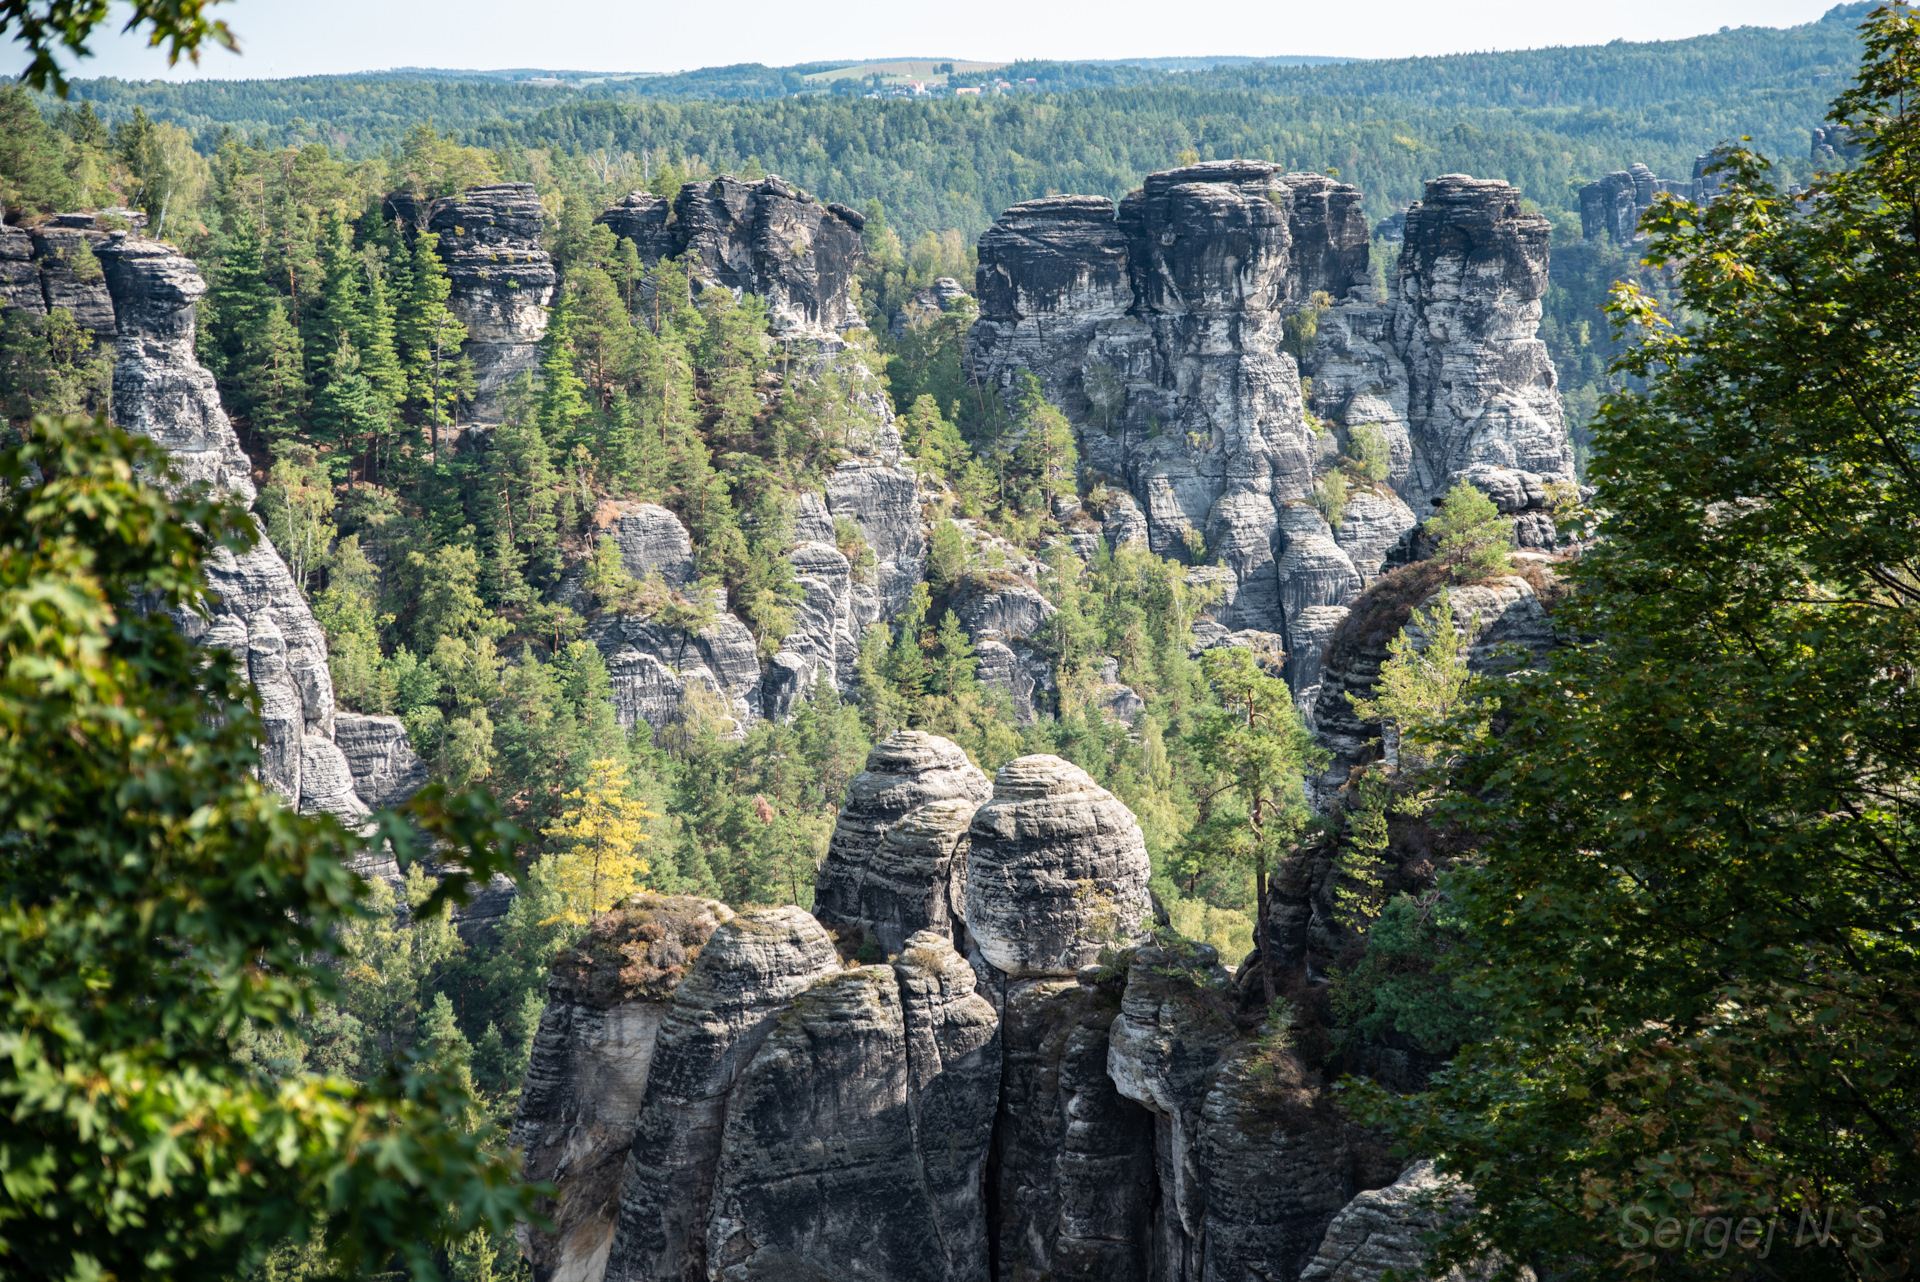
{"points": [[429, 337], [562, 395], [273, 378]]}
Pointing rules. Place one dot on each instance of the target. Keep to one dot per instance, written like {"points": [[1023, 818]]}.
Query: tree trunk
{"points": [[1265, 941]]}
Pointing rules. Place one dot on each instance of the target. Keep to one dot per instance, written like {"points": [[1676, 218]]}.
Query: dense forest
{"points": [[1544, 120]]}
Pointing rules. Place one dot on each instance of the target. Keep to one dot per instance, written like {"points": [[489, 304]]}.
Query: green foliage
{"points": [[1473, 537], [1688, 920], [1399, 987], [1330, 491], [1371, 455], [1256, 752], [138, 1141]]}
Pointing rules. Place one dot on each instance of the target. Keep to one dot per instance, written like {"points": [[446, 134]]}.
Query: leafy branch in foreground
{"points": [[157, 902]]}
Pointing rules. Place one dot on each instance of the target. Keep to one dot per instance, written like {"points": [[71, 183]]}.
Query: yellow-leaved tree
{"points": [[600, 863]]}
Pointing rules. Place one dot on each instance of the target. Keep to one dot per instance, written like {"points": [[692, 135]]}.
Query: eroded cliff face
{"points": [[501, 279], [1160, 326], [765, 237], [257, 612], [1026, 1089]]}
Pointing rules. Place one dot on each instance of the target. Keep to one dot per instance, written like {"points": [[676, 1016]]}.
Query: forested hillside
{"points": [[1545, 120]]}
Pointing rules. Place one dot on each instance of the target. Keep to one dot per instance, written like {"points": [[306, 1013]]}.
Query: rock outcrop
{"points": [[767, 238], [1071, 1182], [749, 972], [1161, 328], [897, 861], [258, 613], [856, 1137], [1009, 1113], [386, 770], [55, 264], [1482, 393], [1611, 206], [588, 1074], [501, 278], [1057, 871], [1503, 619], [1384, 1229], [794, 1119]]}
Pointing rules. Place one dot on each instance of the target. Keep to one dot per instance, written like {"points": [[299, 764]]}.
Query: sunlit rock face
{"points": [[257, 613]]}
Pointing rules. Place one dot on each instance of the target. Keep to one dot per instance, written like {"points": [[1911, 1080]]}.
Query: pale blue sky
{"points": [[305, 37]]}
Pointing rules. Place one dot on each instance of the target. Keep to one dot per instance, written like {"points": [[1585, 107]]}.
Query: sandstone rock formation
{"points": [[896, 864], [1160, 328], [750, 970], [258, 613], [766, 238], [489, 239], [386, 770], [1057, 870], [855, 1138], [588, 1074], [988, 1118], [1504, 621], [1481, 390], [1072, 1185], [1383, 1229], [1611, 206], [925, 304], [54, 264]]}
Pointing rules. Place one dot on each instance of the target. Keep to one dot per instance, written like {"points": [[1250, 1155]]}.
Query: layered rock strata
{"points": [[749, 972], [1504, 621], [856, 1137], [934, 1117], [766, 238], [588, 1073], [501, 278], [1382, 1232], [897, 861], [797, 1119], [55, 264], [1057, 871], [258, 613], [1161, 327], [1158, 327]]}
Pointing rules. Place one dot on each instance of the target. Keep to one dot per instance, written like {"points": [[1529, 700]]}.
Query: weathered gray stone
{"points": [[825, 643], [771, 239], [1383, 1229], [1057, 870], [749, 972], [587, 1076], [386, 770], [1174, 1025], [1072, 1167], [502, 281], [855, 1138], [1159, 331], [642, 218], [892, 893], [653, 666], [257, 612], [882, 497], [1274, 1167], [1001, 607], [1481, 390], [652, 541], [65, 281]]}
